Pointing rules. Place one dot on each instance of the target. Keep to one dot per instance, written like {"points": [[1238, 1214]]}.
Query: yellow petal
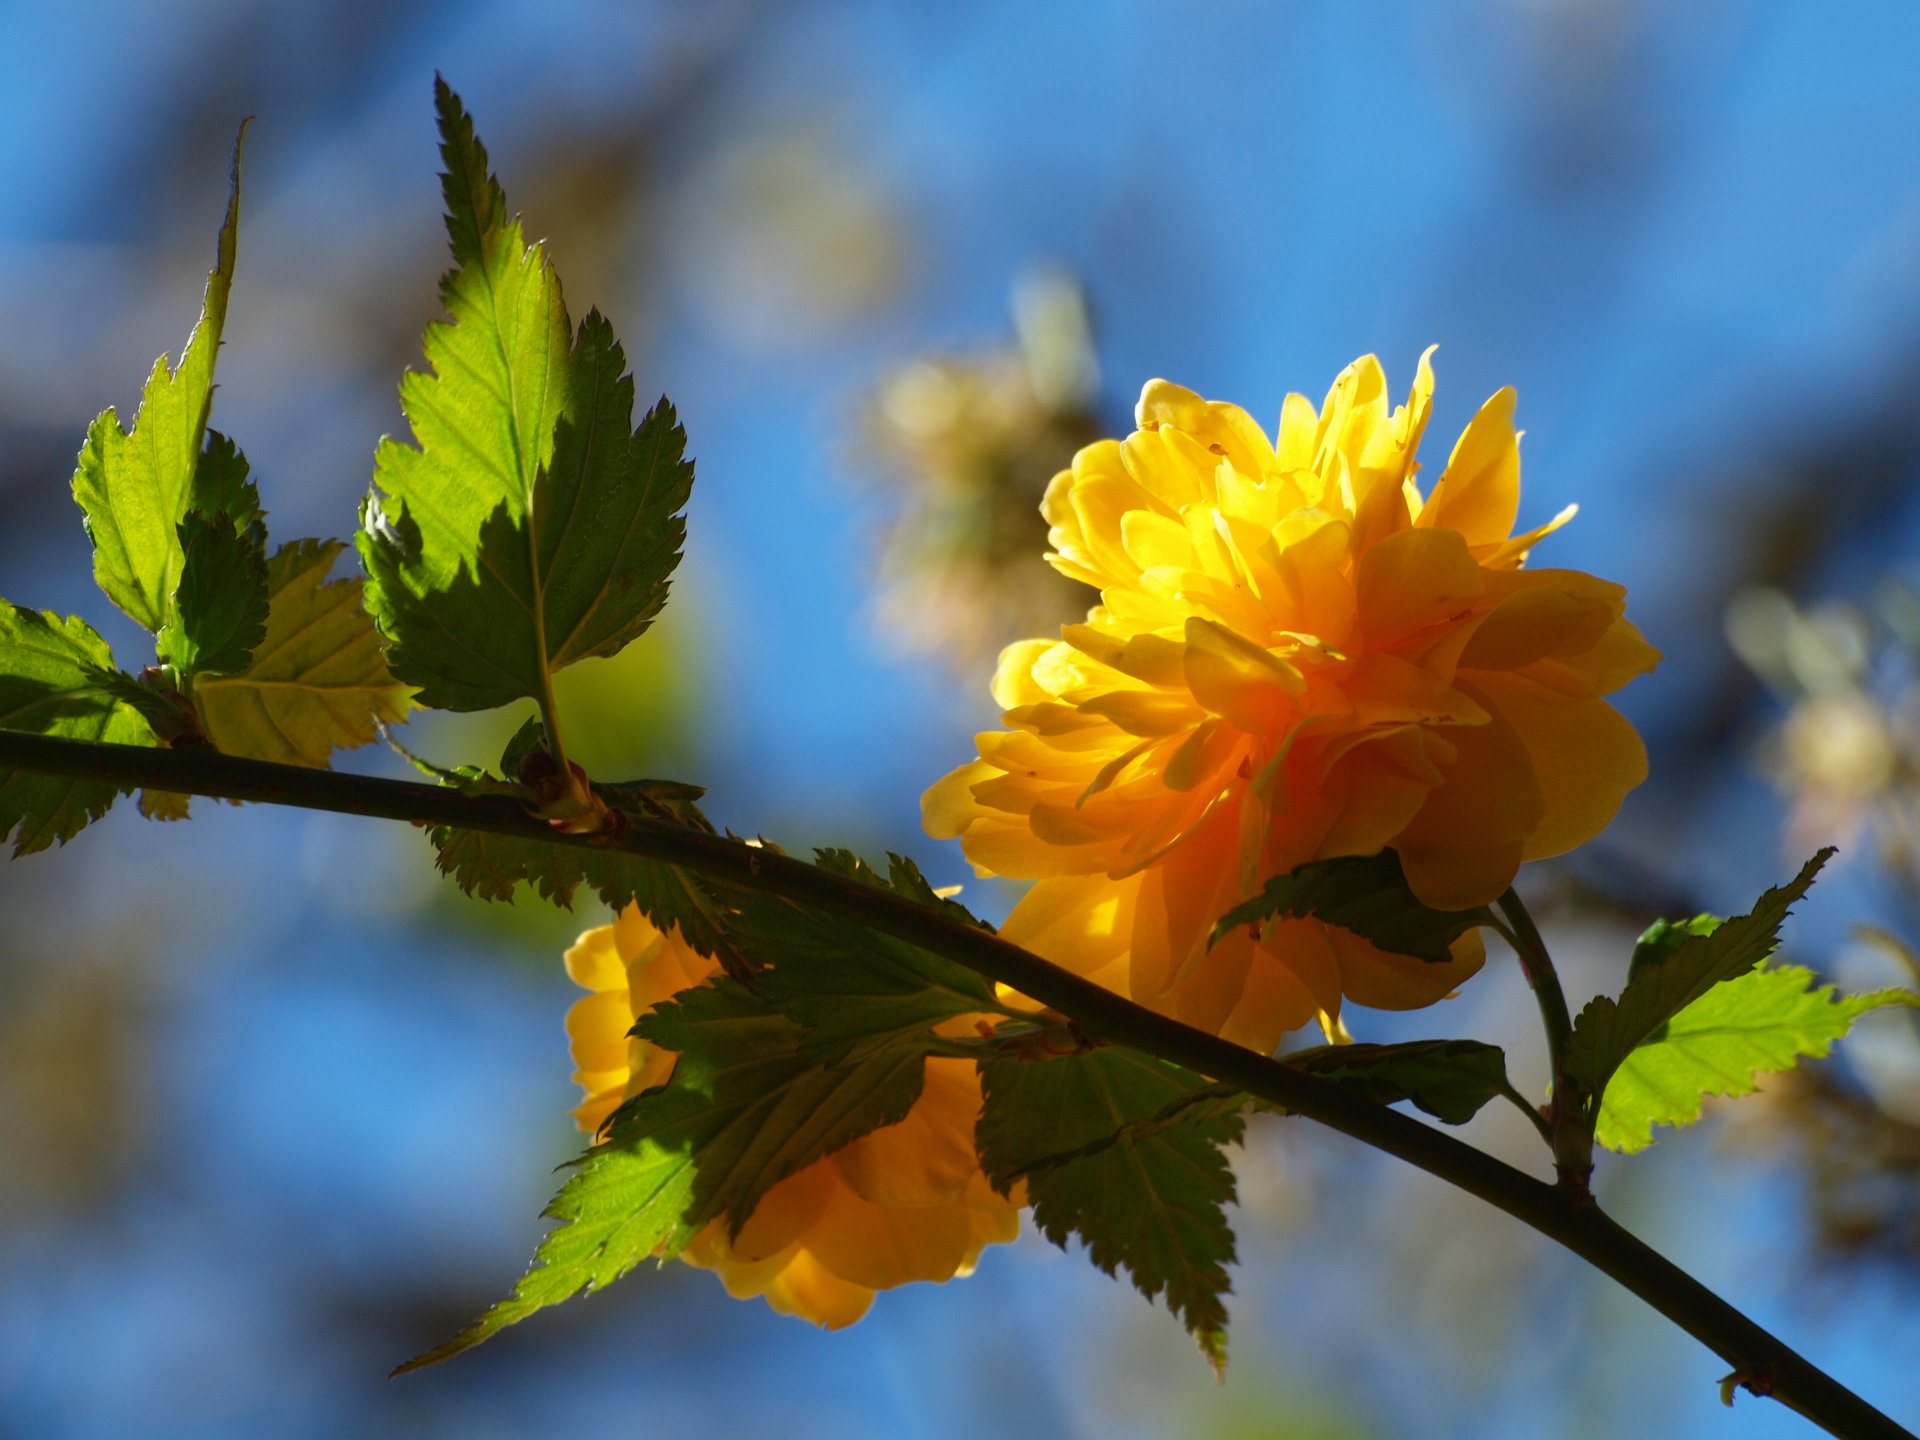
{"points": [[1227, 428], [597, 1027], [1013, 682], [1413, 581], [1235, 678], [1464, 846], [1554, 613], [1081, 922], [1478, 495], [948, 806], [594, 963]]}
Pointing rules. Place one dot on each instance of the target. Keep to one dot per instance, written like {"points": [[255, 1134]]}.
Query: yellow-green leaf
{"points": [[1762, 1022], [134, 486], [316, 682]]}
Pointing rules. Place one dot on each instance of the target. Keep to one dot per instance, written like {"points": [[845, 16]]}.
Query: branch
{"points": [[1761, 1362]]}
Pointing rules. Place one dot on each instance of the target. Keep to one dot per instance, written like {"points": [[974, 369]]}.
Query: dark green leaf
{"points": [[850, 987], [744, 1109], [220, 608], [57, 678], [490, 866], [1663, 937], [223, 483], [1367, 894], [134, 486], [1151, 1197], [1449, 1079], [1756, 1023], [1671, 978], [532, 525]]}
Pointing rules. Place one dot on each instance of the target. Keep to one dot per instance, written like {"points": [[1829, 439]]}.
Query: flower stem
{"points": [[1763, 1363], [1569, 1123]]}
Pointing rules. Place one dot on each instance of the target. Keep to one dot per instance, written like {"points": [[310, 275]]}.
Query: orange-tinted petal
{"points": [[1584, 754], [807, 1289], [1381, 981]]}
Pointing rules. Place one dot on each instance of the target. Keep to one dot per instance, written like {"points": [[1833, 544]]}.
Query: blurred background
{"points": [[278, 1108]]}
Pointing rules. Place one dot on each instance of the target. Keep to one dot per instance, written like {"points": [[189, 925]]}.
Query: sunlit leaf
{"points": [[1764, 1021], [316, 681], [530, 525], [1670, 977], [135, 486]]}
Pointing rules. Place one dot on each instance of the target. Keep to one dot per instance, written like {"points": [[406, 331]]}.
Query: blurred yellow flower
{"points": [[902, 1203], [1295, 657]]}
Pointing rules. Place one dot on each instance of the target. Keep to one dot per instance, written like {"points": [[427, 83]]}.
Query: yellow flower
{"points": [[1295, 657], [905, 1202]]}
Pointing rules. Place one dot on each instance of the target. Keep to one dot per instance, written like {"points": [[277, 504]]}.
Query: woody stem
{"points": [[1760, 1361]]}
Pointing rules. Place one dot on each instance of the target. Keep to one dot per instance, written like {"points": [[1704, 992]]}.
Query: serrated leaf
{"points": [[220, 607], [1758, 1023], [851, 988], [1152, 1200], [743, 1109], [223, 482], [1367, 894], [57, 678], [531, 525], [1449, 1079], [134, 486], [1607, 1030], [316, 681], [490, 866], [164, 805], [1663, 937]]}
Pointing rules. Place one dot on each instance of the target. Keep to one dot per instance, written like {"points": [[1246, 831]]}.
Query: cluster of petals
{"points": [[1296, 656], [905, 1202]]}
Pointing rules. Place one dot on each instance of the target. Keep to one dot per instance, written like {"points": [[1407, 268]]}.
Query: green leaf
{"points": [[1367, 894], [1671, 977], [745, 1108], [1758, 1023], [1660, 939], [1151, 1198], [223, 483], [1449, 1079], [531, 525], [57, 678], [850, 988], [135, 486], [316, 681], [490, 866], [220, 607]]}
